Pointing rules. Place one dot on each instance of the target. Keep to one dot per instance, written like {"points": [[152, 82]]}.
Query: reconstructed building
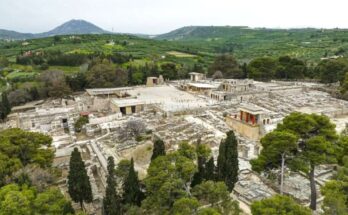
{"points": [[127, 106], [195, 76], [153, 81], [120, 92], [236, 85], [249, 121]]}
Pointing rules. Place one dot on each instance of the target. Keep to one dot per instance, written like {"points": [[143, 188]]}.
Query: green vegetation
{"points": [[227, 163], [168, 186], [276, 146], [132, 194], [278, 205], [158, 149], [26, 175], [111, 201], [24, 200], [79, 186], [248, 43], [80, 122], [20, 148], [308, 139]]}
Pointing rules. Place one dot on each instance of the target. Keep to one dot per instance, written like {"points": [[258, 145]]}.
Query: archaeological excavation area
{"points": [[177, 111]]}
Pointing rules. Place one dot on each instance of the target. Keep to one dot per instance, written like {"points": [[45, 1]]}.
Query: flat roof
{"points": [[103, 91], [202, 85], [126, 102], [251, 109]]}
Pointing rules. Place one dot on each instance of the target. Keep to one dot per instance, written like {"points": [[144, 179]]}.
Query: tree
{"points": [[158, 149], [122, 170], [80, 122], [227, 166], [335, 192], [228, 66], [277, 146], [330, 71], [278, 204], [133, 128], [79, 186], [5, 106], [263, 68], [77, 82], [185, 206], [19, 148], [316, 144], [105, 75], [19, 96], [290, 68], [4, 61], [168, 180], [217, 75], [169, 71], [203, 153], [131, 188], [216, 195], [52, 201], [15, 200], [210, 170], [111, 203], [22, 200], [55, 83]]}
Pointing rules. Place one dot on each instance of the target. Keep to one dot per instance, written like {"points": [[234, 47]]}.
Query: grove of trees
{"points": [[26, 175], [304, 141]]}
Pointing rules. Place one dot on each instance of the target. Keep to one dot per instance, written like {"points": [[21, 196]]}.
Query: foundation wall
{"points": [[250, 131]]}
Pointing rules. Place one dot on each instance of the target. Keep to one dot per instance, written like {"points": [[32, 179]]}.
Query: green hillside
{"points": [[248, 43], [138, 48]]}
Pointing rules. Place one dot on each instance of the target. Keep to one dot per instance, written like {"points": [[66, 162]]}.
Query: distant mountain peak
{"points": [[74, 26]]}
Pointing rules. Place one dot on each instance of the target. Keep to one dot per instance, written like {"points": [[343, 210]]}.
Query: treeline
{"points": [[58, 58], [285, 68]]}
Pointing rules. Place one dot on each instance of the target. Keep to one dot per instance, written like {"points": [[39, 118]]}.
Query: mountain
{"points": [[201, 32], [211, 33], [68, 28], [13, 35], [74, 27]]}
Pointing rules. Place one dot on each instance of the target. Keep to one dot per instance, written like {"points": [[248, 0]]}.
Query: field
{"points": [[180, 54]]}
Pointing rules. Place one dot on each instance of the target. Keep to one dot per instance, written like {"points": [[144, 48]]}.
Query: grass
{"points": [[68, 70], [180, 54]]}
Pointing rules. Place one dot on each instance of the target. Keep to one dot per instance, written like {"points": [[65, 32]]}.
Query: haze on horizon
{"points": [[161, 16]]}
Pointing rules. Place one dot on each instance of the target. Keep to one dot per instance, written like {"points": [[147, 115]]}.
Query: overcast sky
{"points": [[160, 16]]}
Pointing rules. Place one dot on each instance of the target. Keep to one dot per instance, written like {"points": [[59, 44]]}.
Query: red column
{"points": [[241, 115], [252, 119]]}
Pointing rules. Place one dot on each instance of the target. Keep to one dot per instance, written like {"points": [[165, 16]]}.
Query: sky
{"points": [[161, 16]]}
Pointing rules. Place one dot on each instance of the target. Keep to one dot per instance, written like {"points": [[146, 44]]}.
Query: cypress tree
{"points": [[228, 161], [158, 149], [5, 107], [6, 103], [111, 201], [79, 186], [131, 189], [199, 176], [221, 161], [210, 170], [2, 111]]}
